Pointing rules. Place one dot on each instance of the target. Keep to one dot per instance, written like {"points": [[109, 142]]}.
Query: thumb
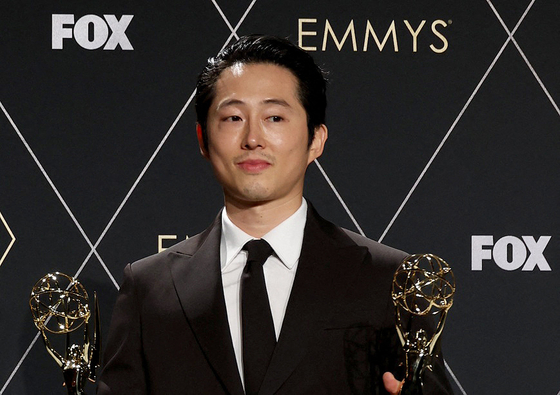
{"points": [[392, 385]]}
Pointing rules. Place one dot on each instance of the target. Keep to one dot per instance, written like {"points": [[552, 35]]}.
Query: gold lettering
{"points": [[414, 34], [302, 33], [441, 37], [164, 237], [381, 45], [339, 45]]}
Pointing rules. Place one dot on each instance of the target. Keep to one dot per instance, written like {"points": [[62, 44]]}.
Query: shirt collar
{"points": [[285, 239]]}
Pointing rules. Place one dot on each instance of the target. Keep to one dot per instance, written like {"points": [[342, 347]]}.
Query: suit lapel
{"points": [[198, 283], [320, 281]]}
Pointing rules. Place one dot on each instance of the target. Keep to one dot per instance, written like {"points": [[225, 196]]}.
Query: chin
{"points": [[256, 197], [255, 192]]}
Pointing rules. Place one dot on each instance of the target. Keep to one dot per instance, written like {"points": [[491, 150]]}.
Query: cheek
{"points": [[221, 145], [277, 139], [222, 134], [219, 160]]}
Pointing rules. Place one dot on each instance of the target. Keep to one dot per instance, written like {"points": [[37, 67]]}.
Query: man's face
{"points": [[257, 135]]}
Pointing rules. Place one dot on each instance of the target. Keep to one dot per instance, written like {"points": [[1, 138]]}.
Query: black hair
{"points": [[257, 48]]}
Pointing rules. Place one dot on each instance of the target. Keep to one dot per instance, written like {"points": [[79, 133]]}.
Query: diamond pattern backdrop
{"points": [[98, 156]]}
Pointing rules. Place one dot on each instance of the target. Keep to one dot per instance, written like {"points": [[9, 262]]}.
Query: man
{"points": [[185, 322]]}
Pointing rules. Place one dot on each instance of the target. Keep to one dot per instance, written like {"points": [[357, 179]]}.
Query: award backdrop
{"points": [[444, 138]]}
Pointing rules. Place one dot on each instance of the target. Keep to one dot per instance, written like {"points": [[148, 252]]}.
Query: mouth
{"points": [[253, 165]]}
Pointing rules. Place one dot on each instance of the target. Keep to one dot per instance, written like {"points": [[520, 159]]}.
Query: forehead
{"points": [[255, 79]]}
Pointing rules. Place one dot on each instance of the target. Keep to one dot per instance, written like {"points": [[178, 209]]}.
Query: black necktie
{"points": [[259, 339]]}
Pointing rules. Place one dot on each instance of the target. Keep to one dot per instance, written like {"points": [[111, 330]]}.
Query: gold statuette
{"points": [[423, 285], [59, 304]]}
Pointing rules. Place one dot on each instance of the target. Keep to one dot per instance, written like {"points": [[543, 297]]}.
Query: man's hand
{"points": [[392, 385]]}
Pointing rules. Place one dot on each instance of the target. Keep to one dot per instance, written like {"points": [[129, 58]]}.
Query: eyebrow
{"points": [[233, 102], [227, 103], [279, 102]]}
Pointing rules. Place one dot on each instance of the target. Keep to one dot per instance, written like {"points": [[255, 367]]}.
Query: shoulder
{"points": [[187, 247], [380, 253], [155, 264]]}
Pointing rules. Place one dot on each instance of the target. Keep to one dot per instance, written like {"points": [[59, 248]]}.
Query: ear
{"points": [[318, 143], [203, 150]]}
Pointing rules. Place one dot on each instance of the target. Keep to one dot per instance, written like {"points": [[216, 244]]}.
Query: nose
{"points": [[254, 135]]}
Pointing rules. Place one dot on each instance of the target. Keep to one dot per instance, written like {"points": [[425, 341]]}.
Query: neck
{"points": [[257, 219]]}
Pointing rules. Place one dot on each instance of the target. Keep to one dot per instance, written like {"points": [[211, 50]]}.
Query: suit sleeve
{"points": [[124, 367]]}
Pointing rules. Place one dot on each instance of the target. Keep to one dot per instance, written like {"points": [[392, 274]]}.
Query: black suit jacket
{"points": [[170, 335]]}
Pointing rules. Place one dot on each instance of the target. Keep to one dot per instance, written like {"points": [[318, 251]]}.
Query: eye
{"points": [[275, 118], [233, 118]]}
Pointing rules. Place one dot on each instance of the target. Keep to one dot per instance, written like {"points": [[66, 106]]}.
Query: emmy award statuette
{"points": [[423, 285], [59, 305]]}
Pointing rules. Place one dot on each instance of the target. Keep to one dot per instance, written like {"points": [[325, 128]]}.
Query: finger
{"points": [[392, 385]]}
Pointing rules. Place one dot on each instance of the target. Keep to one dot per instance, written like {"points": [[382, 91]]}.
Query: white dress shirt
{"points": [[279, 270]]}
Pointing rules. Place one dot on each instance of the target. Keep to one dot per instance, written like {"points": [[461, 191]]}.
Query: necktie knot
{"points": [[258, 251]]}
